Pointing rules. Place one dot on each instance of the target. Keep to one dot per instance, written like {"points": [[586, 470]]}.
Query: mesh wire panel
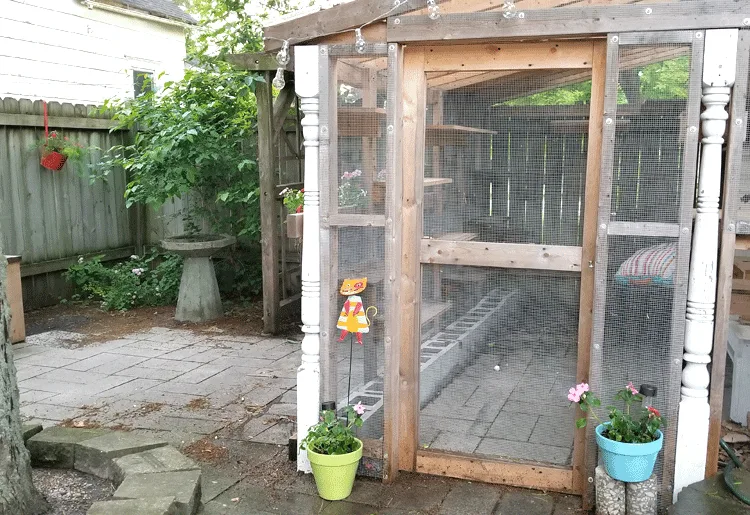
{"points": [[652, 98], [505, 162], [644, 314], [498, 352], [743, 184], [353, 186]]}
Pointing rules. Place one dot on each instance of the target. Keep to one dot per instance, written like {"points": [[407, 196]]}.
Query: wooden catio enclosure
{"points": [[538, 196]]}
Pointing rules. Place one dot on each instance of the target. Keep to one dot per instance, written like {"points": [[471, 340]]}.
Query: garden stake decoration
{"points": [[353, 319]]}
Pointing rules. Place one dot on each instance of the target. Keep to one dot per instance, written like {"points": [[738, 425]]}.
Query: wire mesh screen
{"points": [[743, 184], [652, 98], [498, 353], [361, 134], [353, 186], [645, 281], [505, 161]]}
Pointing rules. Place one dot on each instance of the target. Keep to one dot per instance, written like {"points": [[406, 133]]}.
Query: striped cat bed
{"points": [[650, 266]]}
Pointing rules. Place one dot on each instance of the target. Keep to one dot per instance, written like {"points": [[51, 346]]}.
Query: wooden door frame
{"points": [[417, 62]]}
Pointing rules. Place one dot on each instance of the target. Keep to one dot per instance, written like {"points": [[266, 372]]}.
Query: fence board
{"points": [[53, 217]]}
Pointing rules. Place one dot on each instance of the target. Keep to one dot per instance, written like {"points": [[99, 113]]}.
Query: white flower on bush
{"points": [[138, 271], [133, 257], [80, 260]]}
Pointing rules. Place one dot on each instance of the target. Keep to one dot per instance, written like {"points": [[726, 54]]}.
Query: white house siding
{"points": [[61, 50]]}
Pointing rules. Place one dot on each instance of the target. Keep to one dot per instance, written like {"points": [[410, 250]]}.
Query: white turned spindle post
{"points": [[719, 63], [308, 374]]}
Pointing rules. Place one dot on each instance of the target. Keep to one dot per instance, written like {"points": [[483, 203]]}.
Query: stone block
{"points": [[610, 494], [161, 459], [95, 456], [184, 486], [150, 506], [29, 429], [641, 498], [56, 446]]}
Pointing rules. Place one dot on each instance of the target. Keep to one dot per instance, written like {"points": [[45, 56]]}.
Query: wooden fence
{"points": [[52, 218]]}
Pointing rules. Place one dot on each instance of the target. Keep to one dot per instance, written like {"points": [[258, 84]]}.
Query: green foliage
{"points": [[294, 200], [333, 436], [663, 80], [62, 144], [634, 424], [194, 137], [230, 26], [151, 280]]}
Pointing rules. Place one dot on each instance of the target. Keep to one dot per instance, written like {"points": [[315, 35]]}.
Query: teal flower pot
{"points": [[628, 462]]}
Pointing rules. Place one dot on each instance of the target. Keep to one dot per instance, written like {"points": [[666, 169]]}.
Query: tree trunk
{"points": [[17, 493]]}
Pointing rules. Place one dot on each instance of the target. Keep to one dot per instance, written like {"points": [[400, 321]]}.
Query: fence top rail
{"points": [[29, 113]]}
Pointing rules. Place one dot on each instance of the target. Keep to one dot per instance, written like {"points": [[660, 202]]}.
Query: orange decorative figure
{"points": [[353, 317]]}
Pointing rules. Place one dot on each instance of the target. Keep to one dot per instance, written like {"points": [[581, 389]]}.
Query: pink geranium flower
{"points": [[575, 393], [359, 409], [632, 388]]}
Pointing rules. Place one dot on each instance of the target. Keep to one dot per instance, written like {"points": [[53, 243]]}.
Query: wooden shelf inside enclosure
{"points": [[432, 310], [436, 181], [360, 121], [440, 135]]}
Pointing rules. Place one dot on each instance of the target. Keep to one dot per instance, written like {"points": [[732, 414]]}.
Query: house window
{"points": [[143, 82]]}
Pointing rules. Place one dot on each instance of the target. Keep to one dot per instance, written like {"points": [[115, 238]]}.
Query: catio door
{"points": [[500, 167]]}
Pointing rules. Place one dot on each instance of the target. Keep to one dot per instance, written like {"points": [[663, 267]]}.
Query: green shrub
{"points": [[151, 280]]}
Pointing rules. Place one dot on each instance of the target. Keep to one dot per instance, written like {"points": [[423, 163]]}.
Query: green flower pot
{"points": [[334, 474]]}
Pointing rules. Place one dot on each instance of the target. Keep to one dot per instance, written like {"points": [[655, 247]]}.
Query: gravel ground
{"points": [[70, 492]]}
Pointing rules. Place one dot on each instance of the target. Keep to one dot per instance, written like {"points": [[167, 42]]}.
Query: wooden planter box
{"points": [[294, 223]]}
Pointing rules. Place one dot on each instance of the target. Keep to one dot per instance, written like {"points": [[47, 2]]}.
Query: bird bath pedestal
{"points": [[199, 298]]}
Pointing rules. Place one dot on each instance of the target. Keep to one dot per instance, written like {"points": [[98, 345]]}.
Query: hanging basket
{"points": [[53, 160]]}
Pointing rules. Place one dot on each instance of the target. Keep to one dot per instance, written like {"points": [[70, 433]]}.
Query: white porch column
{"points": [[308, 374], [719, 63]]}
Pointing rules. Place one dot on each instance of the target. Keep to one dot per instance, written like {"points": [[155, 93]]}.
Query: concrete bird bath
{"points": [[199, 298]]}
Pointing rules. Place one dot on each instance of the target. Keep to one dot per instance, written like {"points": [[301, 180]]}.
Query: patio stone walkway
{"points": [[184, 383], [229, 402]]}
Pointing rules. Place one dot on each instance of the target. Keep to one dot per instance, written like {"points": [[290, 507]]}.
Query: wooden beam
{"points": [[357, 220], [525, 475], [455, 80], [56, 265], [270, 235], [55, 122], [588, 251], [262, 61], [281, 107], [393, 250], [501, 255], [571, 21], [413, 105], [733, 172], [374, 33], [509, 56]]}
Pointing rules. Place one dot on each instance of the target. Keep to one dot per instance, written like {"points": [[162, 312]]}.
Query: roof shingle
{"points": [[161, 8]]}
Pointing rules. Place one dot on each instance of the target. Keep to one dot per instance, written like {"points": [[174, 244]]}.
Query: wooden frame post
{"points": [[308, 374], [720, 58], [269, 240], [732, 174]]}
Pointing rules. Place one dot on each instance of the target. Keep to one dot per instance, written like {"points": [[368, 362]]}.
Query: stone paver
{"points": [[185, 485], [161, 459], [153, 506], [56, 446], [95, 455]]}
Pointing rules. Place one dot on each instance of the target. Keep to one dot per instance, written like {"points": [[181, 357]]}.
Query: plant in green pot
{"points": [[631, 439], [334, 452]]}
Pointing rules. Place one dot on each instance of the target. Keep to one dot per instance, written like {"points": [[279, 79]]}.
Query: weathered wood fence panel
{"points": [[51, 218]]}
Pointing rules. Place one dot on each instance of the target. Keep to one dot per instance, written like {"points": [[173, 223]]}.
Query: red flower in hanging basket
{"points": [[56, 151], [53, 160]]}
